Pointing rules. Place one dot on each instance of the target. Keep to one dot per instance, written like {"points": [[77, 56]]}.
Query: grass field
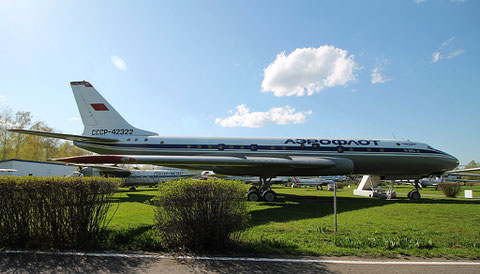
{"points": [[301, 223]]}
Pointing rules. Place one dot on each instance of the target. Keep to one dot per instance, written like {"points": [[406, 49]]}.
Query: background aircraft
{"points": [[316, 182], [136, 177], [455, 176]]}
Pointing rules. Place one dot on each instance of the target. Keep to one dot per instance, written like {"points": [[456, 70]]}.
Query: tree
{"points": [[31, 147], [5, 123], [471, 164], [22, 120]]}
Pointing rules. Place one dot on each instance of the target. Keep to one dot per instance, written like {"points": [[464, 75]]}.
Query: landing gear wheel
{"points": [[253, 196], [269, 196], [132, 188], [415, 196], [253, 188], [409, 195]]}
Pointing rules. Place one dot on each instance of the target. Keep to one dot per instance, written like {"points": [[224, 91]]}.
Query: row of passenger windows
{"points": [[136, 140], [254, 147]]}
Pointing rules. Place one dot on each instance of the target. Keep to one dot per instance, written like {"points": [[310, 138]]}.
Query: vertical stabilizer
{"points": [[98, 116]]}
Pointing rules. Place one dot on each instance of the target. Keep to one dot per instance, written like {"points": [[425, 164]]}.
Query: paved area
{"points": [[52, 263]]}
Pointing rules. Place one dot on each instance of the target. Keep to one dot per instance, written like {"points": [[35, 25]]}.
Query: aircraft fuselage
{"points": [[388, 158]]}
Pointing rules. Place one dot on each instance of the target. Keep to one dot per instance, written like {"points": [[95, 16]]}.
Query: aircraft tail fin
{"points": [[99, 118]]}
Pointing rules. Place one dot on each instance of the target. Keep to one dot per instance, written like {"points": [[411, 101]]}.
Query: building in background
{"points": [[35, 168]]}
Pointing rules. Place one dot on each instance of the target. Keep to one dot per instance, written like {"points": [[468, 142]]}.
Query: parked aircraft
{"points": [[107, 133], [317, 182], [135, 177], [455, 176]]}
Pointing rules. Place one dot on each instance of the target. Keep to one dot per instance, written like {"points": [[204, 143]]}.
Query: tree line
{"points": [[30, 147]]}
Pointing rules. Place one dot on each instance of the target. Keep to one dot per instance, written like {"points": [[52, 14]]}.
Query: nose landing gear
{"points": [[415, 194]]}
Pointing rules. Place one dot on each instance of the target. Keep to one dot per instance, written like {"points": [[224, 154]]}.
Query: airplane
{"points": [[317, 182], [106, 132], [454, 176], [135, 177]]}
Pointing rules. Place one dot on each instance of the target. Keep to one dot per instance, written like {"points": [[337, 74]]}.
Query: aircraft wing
{"points": [[99, 167], [464, 170], [303, 162], [71, 137], [464, 174]]}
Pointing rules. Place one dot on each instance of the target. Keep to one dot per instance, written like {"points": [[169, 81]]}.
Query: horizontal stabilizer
{"points": [[201, 161], [71, 137]]}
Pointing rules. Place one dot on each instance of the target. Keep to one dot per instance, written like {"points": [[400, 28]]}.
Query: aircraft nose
{"points": [[450, 162]]}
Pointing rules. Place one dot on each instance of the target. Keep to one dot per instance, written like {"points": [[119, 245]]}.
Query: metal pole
{"points": [[335, 204]]}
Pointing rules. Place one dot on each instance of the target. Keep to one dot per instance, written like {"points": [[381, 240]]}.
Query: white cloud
{"points": [[2, 97], [119, 63], [419, 1], [435, 56], [278, 115], [456, 53], [376, 74], [308, 70], [75, 119], [447, 42]]}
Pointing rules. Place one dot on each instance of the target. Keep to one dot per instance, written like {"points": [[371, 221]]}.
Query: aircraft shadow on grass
{"points": [[294, 207], [132, 198], [309, 207]]}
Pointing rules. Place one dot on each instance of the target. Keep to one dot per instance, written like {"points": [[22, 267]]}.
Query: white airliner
{"points": [[317, 182], [107, 133], [135, 177], [454, 176]]}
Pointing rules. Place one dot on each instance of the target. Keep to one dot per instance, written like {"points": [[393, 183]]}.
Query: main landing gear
{"points": [[415, 194], [262, 192]]}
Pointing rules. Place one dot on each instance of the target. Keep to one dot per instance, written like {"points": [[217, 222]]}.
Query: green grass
{"points": [[301, 223]]}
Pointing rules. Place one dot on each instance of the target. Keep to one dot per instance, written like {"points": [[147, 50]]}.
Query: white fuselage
{"points": [[369, 156]]}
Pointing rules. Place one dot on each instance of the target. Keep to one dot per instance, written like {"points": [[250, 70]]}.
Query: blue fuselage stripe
{"points": [[271, 148]]}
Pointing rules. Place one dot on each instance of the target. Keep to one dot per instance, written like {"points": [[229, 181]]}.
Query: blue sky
{"points": [[406, 68]]}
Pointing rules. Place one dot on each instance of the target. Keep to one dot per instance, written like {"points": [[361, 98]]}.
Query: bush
{"points": [[200, 215], [53, 211], [450, 189], [341, 185]]}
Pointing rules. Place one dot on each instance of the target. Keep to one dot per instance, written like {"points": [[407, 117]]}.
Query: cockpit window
{"points": [[429, 147]]}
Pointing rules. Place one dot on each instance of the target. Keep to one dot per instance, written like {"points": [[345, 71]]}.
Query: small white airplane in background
{"points": [[108, 133], [316, 182], [135, 177], [453, 176]]}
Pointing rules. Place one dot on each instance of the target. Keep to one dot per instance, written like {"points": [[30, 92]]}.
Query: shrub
{"points": [[200, 215], [341, 185], [53, 211], [450, 189]]}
